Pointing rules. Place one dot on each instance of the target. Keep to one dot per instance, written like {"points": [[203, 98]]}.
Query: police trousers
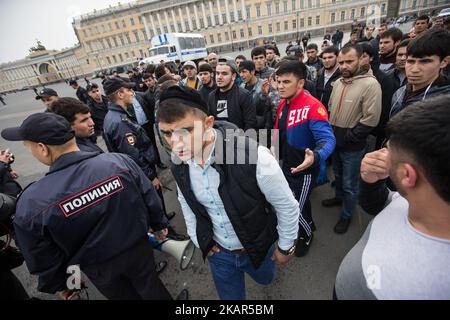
{"points": [[129, 276]]}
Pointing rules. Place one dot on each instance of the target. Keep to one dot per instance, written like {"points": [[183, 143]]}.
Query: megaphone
{"points": [[183, 251]]}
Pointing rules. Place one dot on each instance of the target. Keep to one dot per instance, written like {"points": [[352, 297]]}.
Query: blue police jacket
{"points": [[89, 208], [122, 134]]}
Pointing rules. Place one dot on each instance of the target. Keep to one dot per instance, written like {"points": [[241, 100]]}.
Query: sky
{"points": [[50, 21]]}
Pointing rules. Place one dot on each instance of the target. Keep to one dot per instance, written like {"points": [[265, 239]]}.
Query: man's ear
{"points": [[408, 176], [209, 121], [43, 149], [445, 62]]}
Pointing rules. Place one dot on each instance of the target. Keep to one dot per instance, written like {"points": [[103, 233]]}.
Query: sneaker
{"points": [[332, 202], [183, 295], [342, 225], [303, 244]]}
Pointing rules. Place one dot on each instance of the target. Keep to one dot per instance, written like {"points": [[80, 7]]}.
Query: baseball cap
{"points": [[229, 63], [189, 96], [189, 63], [72, 82], [205, 68], [46, 92], [45, 127], [112, 85]]}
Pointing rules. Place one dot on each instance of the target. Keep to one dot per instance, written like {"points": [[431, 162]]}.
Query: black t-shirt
{"points": [[222, 105]]}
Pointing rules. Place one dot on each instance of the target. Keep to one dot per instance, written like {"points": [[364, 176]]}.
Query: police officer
{"points": [[74, 216], [123, 134]]}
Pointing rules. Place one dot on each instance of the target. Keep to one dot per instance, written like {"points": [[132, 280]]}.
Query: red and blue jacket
{"points": [[306, 127]]}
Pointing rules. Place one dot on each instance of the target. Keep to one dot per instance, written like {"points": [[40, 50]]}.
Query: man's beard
{"points": [[330, 68]]}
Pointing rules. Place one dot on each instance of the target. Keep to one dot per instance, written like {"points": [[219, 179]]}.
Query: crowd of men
{"points": [[332, 107]]}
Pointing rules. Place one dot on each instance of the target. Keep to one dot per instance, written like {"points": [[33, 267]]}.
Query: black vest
{"points": [[253, 218]]}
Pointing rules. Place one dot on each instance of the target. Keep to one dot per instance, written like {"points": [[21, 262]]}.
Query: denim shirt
{"points": [[140, 114], [272, 183]]}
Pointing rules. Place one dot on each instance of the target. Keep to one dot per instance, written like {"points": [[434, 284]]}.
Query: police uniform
{"points": [[79, 214], [122, 134], [88, 145]]}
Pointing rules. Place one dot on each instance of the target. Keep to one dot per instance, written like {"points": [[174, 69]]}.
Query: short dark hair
{"points": [[367, 48], [312, 46], [404, 43], [240, 57], [394, 33], [172, 110], [383, 25], [433, 42], [271, 47], [205, 67], [421, 130], [354, 32], [258, 51], [146, 76], [297, 68], [69, 108], [247, 65], [332, 49], [348, 47], [150, 69], [160, 71], [423, 17]]}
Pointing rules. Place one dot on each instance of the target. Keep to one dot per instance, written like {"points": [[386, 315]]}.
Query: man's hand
{"points": [[161, 235], [69, 294], [156, 183], [280, 258], [214, 249], [5, 156], [308, 162], [14, 174], [265, 87], [375, 166]]}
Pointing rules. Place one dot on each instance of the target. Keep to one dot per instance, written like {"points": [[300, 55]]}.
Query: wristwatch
{"points": [[288, 252]]}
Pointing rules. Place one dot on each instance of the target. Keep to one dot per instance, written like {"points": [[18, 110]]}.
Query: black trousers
{"points": [[129, 276], [11, 288], [302, 185]]}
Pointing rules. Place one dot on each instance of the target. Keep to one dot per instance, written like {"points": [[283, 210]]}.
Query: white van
{"points": [[177, 46]]}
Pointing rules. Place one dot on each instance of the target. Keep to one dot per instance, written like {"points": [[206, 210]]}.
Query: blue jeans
{"points": [[228, 273], [346, 167]]}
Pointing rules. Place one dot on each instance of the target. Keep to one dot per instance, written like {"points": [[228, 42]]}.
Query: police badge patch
{"points": [[131, 139]]}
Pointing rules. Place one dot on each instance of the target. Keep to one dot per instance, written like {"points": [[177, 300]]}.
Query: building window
{"points": [[216, 19], [317, 3], [383, 8], [114, 59], [121, 40], [232, 16], [194, 25], [309, 3], [224, 17], [302, 23], [247, 11], [166, 30], [294, 24], [269, 9], [302, 4], [211, 38], [258, 10], [250, 33], [141, 53], [127, 35], [209, 21], [242, 33], [172, 28], [117, 25], [285, 6], [239, 15], [277, 8], [294, 3], [120, 57], [219, 37], [108, 59], [342, 15], [333, 17], [108, 43], [414, 4], [110, 26], [309, 21], [132, 21], [227, 36], [352, 14], [133, 54], [317, 20], [127, 55], [286, 26], [260, 30], [270, 28], [124, 24], [115, 42], [278, 27], [234, 34], [186, 25], [180, 27]]}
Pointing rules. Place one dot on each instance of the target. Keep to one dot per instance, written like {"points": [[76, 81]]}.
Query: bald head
{"points": [[212, 60]]}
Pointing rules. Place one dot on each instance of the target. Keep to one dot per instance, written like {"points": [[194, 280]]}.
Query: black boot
{"points": [[342, 225]]}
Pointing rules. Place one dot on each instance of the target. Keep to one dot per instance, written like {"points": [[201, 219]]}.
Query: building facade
{"points": [[120, 35]]}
